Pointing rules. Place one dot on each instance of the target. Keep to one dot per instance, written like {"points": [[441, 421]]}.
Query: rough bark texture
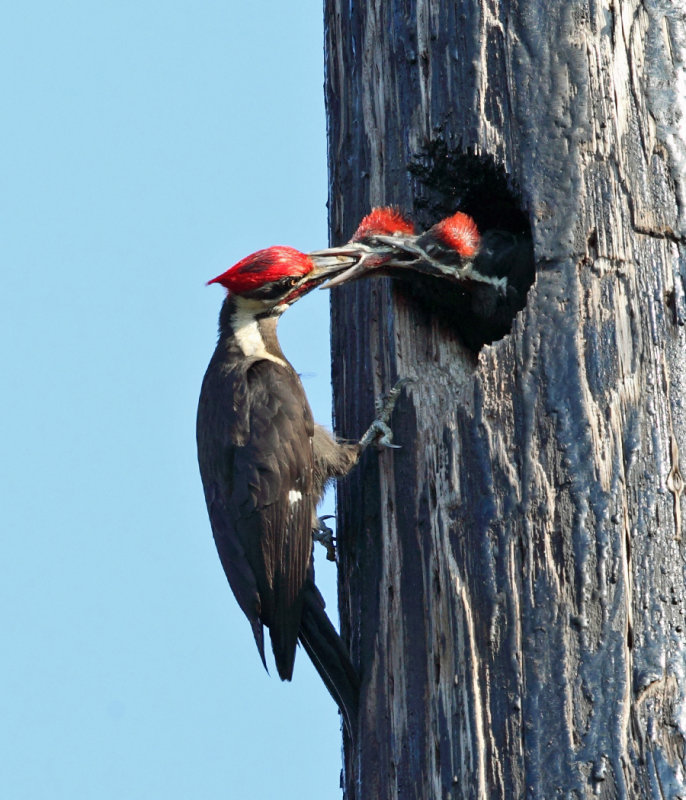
{"points": [[512, 580]]}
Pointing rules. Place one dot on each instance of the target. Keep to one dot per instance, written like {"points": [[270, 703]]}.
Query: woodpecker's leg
{"points": [[334, 459], [379, 431], [324, 535]]}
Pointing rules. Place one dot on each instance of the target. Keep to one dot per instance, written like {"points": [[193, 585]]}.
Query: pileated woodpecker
{"points": [[483, 278], [264, 463], [380, 242]]}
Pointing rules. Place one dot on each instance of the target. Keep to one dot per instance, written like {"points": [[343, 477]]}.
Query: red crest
{"points": [[383, 221], [264, 266], [458, 232]]}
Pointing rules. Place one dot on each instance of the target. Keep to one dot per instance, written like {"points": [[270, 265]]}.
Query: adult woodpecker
{"points": [[483, 278], [264, 463]]}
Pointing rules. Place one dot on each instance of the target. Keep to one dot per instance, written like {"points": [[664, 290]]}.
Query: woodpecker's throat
{"points": [[251, 327]]}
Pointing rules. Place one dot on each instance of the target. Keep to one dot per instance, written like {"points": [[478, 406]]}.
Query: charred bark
{"points": [[512, 581]]}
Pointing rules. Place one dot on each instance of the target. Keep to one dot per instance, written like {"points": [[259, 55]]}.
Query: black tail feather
{"points": [[330, 657]]}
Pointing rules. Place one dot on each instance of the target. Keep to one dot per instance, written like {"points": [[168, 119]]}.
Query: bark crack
{"points": [[675, 484]]}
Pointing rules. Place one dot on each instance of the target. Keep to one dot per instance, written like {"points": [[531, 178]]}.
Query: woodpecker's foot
{"points": [[324, 535], [381, 434], [379, 430]]}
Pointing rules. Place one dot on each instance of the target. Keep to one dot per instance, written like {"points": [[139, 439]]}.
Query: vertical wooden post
{"points": [[512, 581]]}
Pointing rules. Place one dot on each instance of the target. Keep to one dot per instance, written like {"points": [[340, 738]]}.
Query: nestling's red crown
{"points": [[383, 221], [458, 232], [264, 266]]}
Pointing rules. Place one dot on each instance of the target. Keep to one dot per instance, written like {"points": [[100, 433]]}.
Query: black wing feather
{"points": [[255, 447]]}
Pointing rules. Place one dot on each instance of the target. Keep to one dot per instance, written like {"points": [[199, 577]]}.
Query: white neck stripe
{"points": [[246, 330]]}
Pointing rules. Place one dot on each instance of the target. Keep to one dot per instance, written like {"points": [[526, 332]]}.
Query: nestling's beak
{"points": [[396, 256], [367, 260]]}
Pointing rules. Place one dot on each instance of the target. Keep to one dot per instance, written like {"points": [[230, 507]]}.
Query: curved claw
{"points": [[379, 430], [324, 535], [380, 433]]}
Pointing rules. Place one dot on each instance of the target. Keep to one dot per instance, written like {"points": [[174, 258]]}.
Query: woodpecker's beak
{"points": [[410, 255], [326, 266], [368, 260], [331, 262], [328, 263], [338, 264], [395, 256], [407, 254]]}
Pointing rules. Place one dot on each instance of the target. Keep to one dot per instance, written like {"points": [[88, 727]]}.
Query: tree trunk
{"points": [[512, 580]]}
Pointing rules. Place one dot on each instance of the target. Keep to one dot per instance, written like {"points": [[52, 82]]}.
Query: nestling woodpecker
{"points": [[494, 271], [264, 463], [498, 258], [483, 278], [383, 221], [381, 239]]}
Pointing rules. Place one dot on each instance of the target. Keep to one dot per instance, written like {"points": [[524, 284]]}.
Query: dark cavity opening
{"points": [[446, 181]]}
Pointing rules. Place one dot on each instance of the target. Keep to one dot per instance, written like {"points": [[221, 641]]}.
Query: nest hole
{"points": [[446, 181]]}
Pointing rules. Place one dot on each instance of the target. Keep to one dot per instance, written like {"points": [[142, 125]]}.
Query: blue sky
{"points": [[146, 147]]}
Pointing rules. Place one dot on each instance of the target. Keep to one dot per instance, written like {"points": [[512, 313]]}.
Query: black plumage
{"points": [[255, 459], [263, 465]]}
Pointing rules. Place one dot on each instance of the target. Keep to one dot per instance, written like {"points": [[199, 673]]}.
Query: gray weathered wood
{"points": [[512, 580]]}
